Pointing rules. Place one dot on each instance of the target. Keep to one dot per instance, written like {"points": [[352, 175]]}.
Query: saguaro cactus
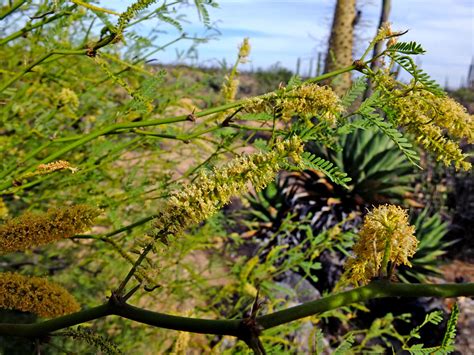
{"points": [[339, 53]]}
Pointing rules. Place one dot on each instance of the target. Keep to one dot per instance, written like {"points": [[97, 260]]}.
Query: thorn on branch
{"points": [[151, 288], [192, 117], [91, 52], [251, 330], [228, 119], [36, 17]]}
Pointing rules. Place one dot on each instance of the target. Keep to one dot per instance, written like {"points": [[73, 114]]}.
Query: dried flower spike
{"points": [[55, 166], [31, 230], [36, 295]]}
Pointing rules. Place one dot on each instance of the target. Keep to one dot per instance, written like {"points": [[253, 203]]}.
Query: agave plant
{"points": [[430, 231], [379, 173]]}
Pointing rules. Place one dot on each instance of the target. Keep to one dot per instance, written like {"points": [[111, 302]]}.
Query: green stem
{"points": [[12, 9], [186, 324], [43, 328], [331, 74], [117, 231], [37, 62], [250, 128], [376, 289], [82, 51], [386, 257], [132, 125], [29, 27]]}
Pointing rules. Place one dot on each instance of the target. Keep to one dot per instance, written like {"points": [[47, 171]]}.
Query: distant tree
{"points": [[340, 45]]}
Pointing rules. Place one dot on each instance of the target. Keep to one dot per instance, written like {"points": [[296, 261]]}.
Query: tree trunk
{"points": [[384, 15], [341, 43]]}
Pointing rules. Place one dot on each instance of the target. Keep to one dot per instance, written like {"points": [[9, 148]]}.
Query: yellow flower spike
{"points": [[386, 236], [68, 97], [384, 32], [428, 117], [244, 51], [36, 295], [197, 201], [30, 230], [308, 99], [3, 209], [229, 88], [43, 169]]}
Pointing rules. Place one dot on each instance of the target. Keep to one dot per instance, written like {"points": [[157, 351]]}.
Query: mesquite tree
{"points": [[115, 174]]}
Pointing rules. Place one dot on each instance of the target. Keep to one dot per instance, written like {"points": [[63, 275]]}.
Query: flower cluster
{"points": [[384, 32], [55, 166], [231, 82], [307, 99], [67, 97], [229, 88], [36, 295], [197, 201], [31, 230], [244, 51], [92, 338], [44, 169], [428, 116], [386, 236], [3, 209]]}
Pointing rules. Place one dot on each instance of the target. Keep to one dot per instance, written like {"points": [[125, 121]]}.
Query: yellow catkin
{"points": [[229, 88], [197, 201], [36, 295], [244, 51], [3, 209], [55, 166], [31, 229], [437, 122], [308, 99], [387, 223], [67, 97], [44, 169]]}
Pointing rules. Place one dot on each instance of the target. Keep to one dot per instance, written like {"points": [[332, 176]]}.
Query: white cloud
{"points": [[285, 30]]}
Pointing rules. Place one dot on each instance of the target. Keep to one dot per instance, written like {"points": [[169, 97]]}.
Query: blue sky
{"points": [[282, 31]]}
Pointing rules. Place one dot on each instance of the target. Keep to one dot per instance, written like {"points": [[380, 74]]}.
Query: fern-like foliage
{"points": [[448, 339], [418, 74], [132, 11], [390, 131], [406, 48], [357, 89], [447, 345], [171, 21], [319, 342], [371, 118], [202, 10], [345, 346], [99, 342], [329, 169], [294, 81]]}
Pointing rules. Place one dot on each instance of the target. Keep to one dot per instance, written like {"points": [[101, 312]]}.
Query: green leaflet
{"points": [[329, 169], [406, 48]]}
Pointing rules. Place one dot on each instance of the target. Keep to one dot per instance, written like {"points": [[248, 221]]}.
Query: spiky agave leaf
{"points": [[430, 231], [379, 171]]}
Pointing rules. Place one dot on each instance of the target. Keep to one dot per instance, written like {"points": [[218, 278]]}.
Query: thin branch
{"points": [[12, 9], [29, 27]]}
